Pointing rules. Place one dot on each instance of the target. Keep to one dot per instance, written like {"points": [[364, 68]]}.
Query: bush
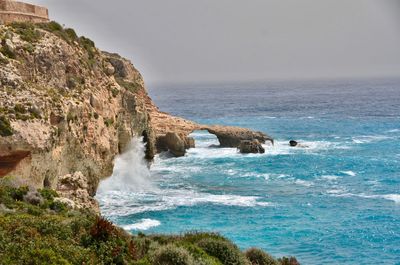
{"points": [[225, 251], [258, 257], [172, 255], [58, 206], [102, 230], [48, 194], [53, 26], [199, 255], [18, 193], [5, 127], [288, 261], [33, 197], [7, 52], [27, 31], [130, 86]]}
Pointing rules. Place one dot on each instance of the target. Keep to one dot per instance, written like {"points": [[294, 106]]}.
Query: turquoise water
{"points": [[335, 202]]}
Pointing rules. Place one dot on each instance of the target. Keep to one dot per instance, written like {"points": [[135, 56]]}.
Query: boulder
{"points": [[251, 146], [293, 143], [175, 144], [73, 190]]}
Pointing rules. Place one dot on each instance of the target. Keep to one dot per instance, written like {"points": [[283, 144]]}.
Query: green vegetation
{"points": [[109, 122], [6, 51], [224, 250], [132, 87], [259, 257], [27, 31], [19, 112], [114, 92], [35, 228], [5, 127], [67, 34], [70, 36]]}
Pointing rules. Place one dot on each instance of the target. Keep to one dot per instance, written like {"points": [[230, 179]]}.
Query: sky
{"points": [[235, 40]]}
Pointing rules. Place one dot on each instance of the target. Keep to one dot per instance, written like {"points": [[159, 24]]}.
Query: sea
{"points": [[336, 200]]}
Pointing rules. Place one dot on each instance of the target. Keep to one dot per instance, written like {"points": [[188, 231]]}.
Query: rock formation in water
{"points": [[67, 109], [251, 146]]}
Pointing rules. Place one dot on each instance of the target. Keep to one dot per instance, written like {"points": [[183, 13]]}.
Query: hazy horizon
{"points": [[213, 41]]}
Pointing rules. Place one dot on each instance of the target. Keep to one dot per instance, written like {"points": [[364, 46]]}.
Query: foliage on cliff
{"points": [[36, 229]]}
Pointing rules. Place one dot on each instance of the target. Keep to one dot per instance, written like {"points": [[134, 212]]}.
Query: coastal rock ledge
{"points": [[67, 109]]}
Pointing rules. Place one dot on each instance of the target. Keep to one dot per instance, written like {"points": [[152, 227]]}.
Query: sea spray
{"points": [[131, 172]]}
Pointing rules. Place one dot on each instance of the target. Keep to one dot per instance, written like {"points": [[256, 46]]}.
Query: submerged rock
{"points": [[251, 146]]}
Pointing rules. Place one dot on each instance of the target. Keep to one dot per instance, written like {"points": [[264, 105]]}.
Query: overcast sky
{"points": [[218, 40]]}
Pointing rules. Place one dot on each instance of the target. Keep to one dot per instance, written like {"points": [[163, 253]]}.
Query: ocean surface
{"points": [[337, 201]]}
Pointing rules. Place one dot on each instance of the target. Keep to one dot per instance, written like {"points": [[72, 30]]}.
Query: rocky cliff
{"points": [[67, 109]]}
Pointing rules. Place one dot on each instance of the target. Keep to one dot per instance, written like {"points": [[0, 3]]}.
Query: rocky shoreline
{"points": [[67, 109]]}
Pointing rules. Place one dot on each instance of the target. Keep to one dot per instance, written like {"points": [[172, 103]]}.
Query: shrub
{"points": [[52, 26], [27, 31], [5, 127], [225, 251], [18, 108], [48, 194], [58, 206], [33, 197], [71, 34], [102, 230], [108, 122], [172, 255], [130, 86], [199, 255], [258, 257], [18, 193], [7, 52], [288, 261]]}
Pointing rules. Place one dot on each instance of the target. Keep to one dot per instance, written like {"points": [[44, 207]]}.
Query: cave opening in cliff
{"points": [[9, 162]]}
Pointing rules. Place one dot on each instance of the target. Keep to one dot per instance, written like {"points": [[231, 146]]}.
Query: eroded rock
{"points": [[74, 187], [175, 144], [251, 146]]}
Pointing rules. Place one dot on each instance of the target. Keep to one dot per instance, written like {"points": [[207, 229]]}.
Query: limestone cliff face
{"points": [[65, 107]]}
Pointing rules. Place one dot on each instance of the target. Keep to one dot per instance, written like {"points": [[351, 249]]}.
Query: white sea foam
{"points": [[144, 224], [349, 173], [130, 171], [364, 139], [330, 177], [336, 191], [304, 183], [126, 203], [391, 197]]}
